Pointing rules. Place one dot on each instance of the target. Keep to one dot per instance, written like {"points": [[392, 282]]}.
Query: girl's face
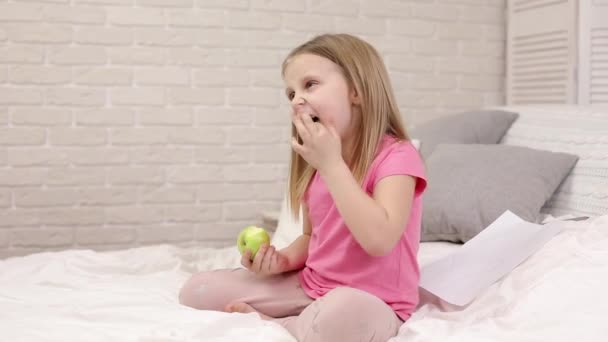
{"points": [[316, 86]]}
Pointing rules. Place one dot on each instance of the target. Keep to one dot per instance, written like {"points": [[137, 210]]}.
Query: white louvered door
{"points": [[542, 51], [593, 53]]}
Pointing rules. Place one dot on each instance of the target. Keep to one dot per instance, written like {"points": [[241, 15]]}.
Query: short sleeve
{"points": [[401, 158]]}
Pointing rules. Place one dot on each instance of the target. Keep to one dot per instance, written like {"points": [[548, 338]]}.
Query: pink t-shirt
{"points": [[336, 259]]}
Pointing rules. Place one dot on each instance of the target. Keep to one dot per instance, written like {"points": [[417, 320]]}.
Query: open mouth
{"points": [[314, 119]]}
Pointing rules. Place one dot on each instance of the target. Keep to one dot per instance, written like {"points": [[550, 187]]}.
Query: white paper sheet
{"points": [[459, 277]]}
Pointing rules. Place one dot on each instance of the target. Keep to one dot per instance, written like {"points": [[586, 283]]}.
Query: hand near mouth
{"points": [[320, 146]]}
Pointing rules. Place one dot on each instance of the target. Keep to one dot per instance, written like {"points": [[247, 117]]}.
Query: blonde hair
{"points": [[366, 73]]}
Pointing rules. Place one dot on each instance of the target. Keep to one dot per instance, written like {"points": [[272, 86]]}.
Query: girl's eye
{"points": [[310, 84], [290, 95]]}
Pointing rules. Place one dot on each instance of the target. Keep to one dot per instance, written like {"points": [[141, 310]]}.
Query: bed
{"points": [[558, 294]]}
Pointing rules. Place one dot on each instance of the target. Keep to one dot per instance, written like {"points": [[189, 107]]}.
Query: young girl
{"points": [[353, 274]]}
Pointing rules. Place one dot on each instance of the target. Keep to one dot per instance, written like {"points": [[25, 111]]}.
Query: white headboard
{"points": [[580, 130]]}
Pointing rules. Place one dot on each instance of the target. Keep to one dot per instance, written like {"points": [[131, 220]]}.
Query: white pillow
{"points": [[288, 228], [416, 143]]}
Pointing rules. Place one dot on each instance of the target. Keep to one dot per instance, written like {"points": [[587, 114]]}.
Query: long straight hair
{"points": [[365, 72]]}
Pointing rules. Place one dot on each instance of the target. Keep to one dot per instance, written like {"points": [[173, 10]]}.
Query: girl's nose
{"points": [[297, 100], [297, 103]]}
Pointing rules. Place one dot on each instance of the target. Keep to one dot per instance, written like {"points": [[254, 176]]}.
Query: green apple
{"points": [[252, 238]]}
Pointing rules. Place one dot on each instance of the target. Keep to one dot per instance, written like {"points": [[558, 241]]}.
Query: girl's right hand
{"points": [[268, 261]]}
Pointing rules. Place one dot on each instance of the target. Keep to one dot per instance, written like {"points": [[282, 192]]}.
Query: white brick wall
{"points": [[129, 122]]}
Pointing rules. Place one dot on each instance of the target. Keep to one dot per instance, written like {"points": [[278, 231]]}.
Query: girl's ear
{"points": [[354, 96]]}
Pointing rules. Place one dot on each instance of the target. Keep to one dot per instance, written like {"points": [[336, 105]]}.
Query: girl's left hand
{"points": [[321, 146]]}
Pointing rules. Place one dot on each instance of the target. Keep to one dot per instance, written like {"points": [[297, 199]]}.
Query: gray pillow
{"points": [[475, 127], [471, 185]]}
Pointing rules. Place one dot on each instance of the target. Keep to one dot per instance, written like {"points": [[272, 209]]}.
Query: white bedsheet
{"points": [[559, 294]]}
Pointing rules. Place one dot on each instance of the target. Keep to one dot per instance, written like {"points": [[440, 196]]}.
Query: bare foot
{"points": [[244, 308]]}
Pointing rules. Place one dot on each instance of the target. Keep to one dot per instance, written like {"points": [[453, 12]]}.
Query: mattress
{"points": [[558, 294]]}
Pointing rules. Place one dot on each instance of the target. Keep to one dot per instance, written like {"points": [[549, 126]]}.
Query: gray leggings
{"points": [[343, 314]]}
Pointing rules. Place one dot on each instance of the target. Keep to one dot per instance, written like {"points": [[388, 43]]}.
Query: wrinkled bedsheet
{"points": [[558, 294]]}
